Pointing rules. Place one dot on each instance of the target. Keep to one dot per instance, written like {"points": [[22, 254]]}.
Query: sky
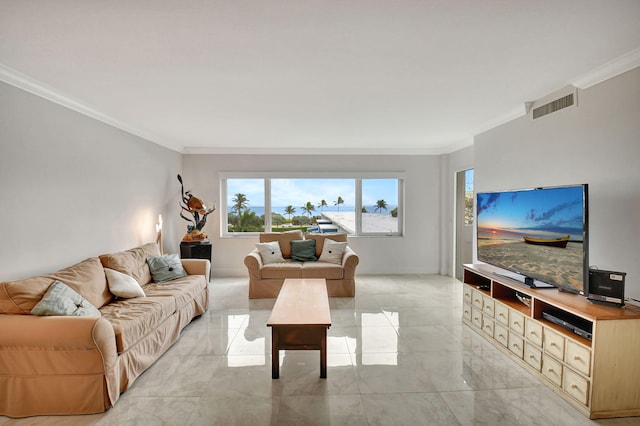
{"points": [[553, 210], [297, 192]]}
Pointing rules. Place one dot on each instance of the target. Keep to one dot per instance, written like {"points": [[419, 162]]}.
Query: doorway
{"points": [[464, 220]]}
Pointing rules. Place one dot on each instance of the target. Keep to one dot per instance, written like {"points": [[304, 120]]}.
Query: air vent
{"points": [[558, 104]]}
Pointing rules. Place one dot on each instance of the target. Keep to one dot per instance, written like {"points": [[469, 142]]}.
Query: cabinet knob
{"points": [[576, 358]]}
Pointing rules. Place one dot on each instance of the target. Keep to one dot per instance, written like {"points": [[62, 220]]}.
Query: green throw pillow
{"points": [[303, 250], [62, 300], [165, 268]]}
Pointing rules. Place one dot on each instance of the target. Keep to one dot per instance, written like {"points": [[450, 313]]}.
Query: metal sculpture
{"points": [[198, 210]]}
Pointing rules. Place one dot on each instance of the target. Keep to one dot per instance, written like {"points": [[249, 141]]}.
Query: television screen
{"points": [[536, 233]]}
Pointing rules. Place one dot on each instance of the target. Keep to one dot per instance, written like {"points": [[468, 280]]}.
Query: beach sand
{"points": [[544, 263]]}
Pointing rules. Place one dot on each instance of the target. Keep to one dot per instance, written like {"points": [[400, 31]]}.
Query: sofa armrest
{"points": [[39, 354], [196, 266], [349, 262], [253, 262]]}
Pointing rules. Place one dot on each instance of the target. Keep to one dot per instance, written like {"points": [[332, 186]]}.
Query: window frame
{"points": [[358, 177]]}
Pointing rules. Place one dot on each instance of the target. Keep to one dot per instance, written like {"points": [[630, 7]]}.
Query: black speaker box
{"points": [[606, 287]]}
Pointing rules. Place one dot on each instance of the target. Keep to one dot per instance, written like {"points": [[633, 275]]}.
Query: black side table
{"points": [[195, 250]]}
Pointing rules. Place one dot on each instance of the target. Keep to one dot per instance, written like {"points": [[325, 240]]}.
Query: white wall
{"points": [[462, 159], [72, 187], [597, 143], [417, 252]]}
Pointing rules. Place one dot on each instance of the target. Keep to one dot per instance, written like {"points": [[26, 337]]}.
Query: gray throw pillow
{"points": [[62, 300], [165, 268], [303, 250]]}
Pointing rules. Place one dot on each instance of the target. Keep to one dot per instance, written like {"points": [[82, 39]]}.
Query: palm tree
{"points": [[380, 205], [322, 205], [338, 202], [308, 208], [240, 203], [289, 210]]}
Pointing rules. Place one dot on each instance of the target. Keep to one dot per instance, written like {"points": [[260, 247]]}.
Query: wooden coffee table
{"points": [[299, 320]]}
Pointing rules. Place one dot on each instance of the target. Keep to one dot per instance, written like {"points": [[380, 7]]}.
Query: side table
{"points": [[196, 250]]}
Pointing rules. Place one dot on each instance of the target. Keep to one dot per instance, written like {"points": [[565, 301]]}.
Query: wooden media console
{"points": [[599, 376]]}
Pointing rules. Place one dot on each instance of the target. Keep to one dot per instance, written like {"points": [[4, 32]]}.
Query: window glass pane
{"points": [[380, 205], [468, 197], [313, 205], [245, 205]]}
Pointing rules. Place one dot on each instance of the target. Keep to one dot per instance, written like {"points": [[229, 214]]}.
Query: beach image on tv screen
{"points": [[537, 233]]}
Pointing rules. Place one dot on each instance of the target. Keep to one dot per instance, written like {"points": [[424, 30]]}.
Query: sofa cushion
{"points": [[303, 250], [86, 278], [182, 290], [282, 270], [165, 268], [319, 238], [132, 262], [134, 319], [329, 271], [62, 300], [270, 252], [333, 251], [283, 238], [122, 285]]}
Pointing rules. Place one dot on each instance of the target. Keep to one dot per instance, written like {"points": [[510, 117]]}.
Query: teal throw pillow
{"points": [[303, 250], [62, 300], [165, 268]]}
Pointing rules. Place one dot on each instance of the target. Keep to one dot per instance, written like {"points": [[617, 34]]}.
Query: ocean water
{"points": [[299, 212]]}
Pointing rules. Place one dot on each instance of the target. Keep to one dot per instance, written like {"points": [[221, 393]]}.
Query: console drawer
{"points": [[466, 294], [501, 334], [576, 386], [487, 305], [533, 356], [553, 343], [502, 313], [516, 322], [552, 370], [487, 325], [533, 332], [476, 299], [516, 344], [578, 357], [476, 317], [466, 312]]}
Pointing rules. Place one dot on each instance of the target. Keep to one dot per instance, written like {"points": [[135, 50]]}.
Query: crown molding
{"points": [[190, 150], [613, 68], [514, 113], [31, 85]]}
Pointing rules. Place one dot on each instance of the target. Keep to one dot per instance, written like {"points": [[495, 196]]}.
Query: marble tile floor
{"points": [[398, 354]]}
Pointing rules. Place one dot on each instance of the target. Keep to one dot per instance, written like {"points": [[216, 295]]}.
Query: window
{"points": [[245, 205], [355, 205], [468, 197], [380, 206]]}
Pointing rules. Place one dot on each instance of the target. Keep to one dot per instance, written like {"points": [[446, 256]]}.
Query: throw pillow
{"points": [[62, 300], [270, 252], [165, 268], [303, 250], [333, 251], [122, 285]]}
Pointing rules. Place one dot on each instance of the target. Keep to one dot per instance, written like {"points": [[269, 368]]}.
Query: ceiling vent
{"points": [[553, 106]]}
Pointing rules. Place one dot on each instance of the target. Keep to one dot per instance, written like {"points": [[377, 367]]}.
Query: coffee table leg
{"points": [[323, 355], [275, 354]]}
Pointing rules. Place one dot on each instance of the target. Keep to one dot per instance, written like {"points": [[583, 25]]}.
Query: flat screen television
{"points": [[536, 235]]}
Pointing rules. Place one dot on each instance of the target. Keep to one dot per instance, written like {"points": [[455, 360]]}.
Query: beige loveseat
{"points": [[79, 365], [265, 280]]}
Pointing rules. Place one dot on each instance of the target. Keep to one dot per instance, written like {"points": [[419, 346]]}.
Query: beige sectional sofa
{"points": [[53, 365], [265, 280]]}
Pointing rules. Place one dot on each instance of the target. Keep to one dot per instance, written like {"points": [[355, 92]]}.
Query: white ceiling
{"points": [[295, 76]]}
